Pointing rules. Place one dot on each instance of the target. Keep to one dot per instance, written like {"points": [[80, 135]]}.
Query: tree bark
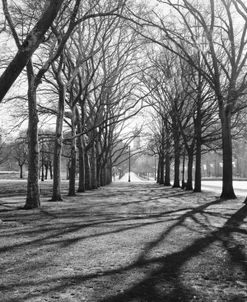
{"points": [[72, 170], [109, 168], [94, 184], [198, 173], [81, 147], [227, 184], [88, 183], [162, 156], [46, 170], [167, 159], [167, 169], [161, 168], [21, 171], [198, 132], [56, 193], [33, 193], [50, 167], [176, 183], [190, 169], [81, 184], [28, 47], [158, 170]]}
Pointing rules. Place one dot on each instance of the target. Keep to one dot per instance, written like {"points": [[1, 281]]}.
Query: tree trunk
{"points": [[72, 170], [30, 44], [42, 170], [198, 131], [94, 167], [190, 169], [88, 183], [183, 171], [67, 170], [102, 176], [162, 156], [81, 185], [167, 160], [46, 170], [198, 176], [227, 184], [33, 194], [161, 169], [81, 146], [50, 167], [56, 193], [176, 183], [158, 170], [99, 168], [109, 168], [21, 171]]}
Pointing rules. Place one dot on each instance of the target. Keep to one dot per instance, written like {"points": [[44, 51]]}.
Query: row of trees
{"points": [[84, 76], [198, 81], [96, 62]]}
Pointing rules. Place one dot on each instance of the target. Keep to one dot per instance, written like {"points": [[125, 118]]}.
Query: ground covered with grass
{"points": [[125, 242]]}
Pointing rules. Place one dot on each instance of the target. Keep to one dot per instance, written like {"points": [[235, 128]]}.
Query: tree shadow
{"points": [[169, 271], [163, 278]]}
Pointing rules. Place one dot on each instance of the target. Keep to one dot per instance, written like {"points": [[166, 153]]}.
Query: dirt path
{"points": [[125, 242]]}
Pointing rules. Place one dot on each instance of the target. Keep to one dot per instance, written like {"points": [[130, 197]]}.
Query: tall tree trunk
{"points": [[88, 178], [102, 176], [162, 169], [167, 170], [109, 168], [81, 184], [50, 168], [198, 131], [162, 156], [198, 176], [81, 148], [94, 167], [176, 183], [72, 170], [190, 169], [42, 168], [167, 160], [227, 185], [56, 192], [33, 193], [21, 171], [183, 171], [158, 170], [46, 170]]}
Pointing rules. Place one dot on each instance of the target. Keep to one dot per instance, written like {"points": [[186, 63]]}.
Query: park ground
{"points": [[126, 242]]}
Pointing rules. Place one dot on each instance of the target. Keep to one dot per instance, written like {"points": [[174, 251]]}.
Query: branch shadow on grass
{"points": [[152, 288], [163, 280]]}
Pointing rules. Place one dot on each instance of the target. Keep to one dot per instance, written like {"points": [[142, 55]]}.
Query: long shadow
{"points": [[168, 274], [181, 220], [170, 266], [75, 227]]}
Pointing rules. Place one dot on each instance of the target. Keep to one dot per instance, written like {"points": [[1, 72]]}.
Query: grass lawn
{"points": [[125, 242]]}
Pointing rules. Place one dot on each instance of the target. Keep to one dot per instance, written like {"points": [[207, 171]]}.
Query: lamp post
{"points": [[129, 165]]}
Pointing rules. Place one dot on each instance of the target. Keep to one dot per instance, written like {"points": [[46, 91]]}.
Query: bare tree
{"points": [[20, 152], [222, 47]]}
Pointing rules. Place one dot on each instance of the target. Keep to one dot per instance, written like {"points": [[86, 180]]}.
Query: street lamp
{"points": [[129, 165]]}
